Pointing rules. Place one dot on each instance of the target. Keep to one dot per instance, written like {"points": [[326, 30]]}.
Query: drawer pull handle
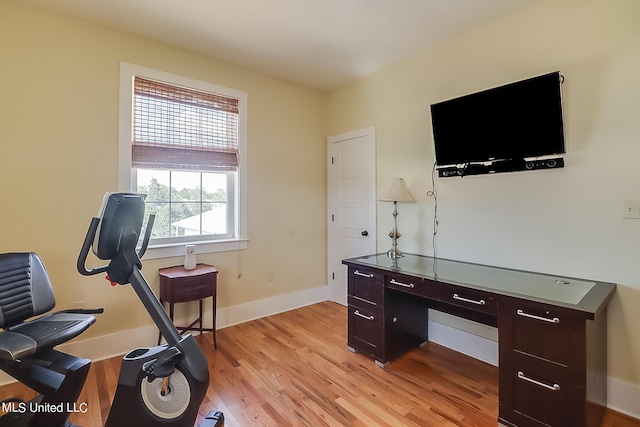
{"points": [[367, 275], [472, 301], [532, 316], [554, 387], [357, 313], [406, 285]]}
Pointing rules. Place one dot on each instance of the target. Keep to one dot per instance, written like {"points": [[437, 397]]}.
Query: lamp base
{"points": [[394, 253]]}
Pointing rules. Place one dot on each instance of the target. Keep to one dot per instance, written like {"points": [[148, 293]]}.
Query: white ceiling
{"points": [[320, 43]]}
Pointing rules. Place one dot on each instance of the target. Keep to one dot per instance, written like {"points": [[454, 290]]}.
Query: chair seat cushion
{"points": [[26, 339]]}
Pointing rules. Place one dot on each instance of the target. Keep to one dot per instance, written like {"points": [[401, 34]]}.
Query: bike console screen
{"points": [[120, 214]]}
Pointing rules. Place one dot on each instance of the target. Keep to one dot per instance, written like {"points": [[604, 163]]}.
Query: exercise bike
{"points": [[161, 386]]}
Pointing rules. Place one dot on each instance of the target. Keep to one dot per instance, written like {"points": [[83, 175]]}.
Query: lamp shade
{"points": [[398, 192]]}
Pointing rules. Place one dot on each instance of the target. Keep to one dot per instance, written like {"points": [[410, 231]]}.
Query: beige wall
{"points": [[59, 145], [565, 221]]}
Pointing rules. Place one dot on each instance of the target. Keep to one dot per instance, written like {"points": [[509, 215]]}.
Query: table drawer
{"points": [[366, 285], [366, 332], [544, 331], [187, 288], [464, 297], [534, 392], [376, 309], [409, 284]]}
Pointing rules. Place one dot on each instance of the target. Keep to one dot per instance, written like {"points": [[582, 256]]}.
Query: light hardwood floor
{"points": [[294, 369]]}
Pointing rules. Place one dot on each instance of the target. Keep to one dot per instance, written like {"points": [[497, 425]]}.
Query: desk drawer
{"points": [[464, 297], [543, 331], [187, 288], [408, 284], [366, 332], [534, 392], [366, 285]]}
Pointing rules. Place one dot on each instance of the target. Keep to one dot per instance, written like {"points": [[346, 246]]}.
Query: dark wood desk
{"points": [[552, 331], [180, 285]]}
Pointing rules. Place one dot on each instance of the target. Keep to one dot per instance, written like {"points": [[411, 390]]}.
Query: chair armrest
{"points": [[15, 346]]}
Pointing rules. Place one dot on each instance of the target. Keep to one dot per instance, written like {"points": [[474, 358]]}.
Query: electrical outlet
{"points": [[269, 276], [78, 305], [631, 209]]}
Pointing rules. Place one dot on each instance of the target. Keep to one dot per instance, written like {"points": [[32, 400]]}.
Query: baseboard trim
{"points": [[478, 347], [623, 397], [265, 307]]}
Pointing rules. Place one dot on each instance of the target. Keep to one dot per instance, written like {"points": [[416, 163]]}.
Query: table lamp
{"points": [[398, 193]]}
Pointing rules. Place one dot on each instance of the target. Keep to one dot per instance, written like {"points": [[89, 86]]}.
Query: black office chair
{"points": [[26, 347]]}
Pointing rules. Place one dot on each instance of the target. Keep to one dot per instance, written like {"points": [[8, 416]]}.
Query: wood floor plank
{"points": [[294, 369]]}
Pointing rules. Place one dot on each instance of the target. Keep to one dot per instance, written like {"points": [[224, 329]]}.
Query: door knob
{"points": [[365, 233]]}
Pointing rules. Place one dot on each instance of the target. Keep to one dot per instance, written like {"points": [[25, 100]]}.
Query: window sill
{"points": [[202, 247]]}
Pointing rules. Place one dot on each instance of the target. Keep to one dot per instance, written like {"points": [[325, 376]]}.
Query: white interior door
{"points": [[351, 204]]}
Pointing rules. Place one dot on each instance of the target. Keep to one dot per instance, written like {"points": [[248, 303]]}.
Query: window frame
{"points": [[127, 181]]}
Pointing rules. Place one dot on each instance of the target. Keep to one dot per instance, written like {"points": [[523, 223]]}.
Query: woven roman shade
{"points": [[181, 128]]}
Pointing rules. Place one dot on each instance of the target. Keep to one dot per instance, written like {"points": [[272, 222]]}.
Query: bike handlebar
{"points": [[88, 241]]}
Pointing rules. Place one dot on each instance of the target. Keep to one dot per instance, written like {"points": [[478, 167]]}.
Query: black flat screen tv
{"points": [[512, 122]]}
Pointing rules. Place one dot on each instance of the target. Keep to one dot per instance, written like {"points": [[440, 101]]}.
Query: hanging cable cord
{"points": [[434, 193]]}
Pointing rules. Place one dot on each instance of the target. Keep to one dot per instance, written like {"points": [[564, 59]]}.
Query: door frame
{"points": [[333, 236]]}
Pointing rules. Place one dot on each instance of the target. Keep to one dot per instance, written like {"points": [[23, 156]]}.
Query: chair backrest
{"points": [[25, 289]]}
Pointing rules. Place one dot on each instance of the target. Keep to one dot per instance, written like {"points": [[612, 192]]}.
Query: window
{"points": [[187, 204], [182, 142]]}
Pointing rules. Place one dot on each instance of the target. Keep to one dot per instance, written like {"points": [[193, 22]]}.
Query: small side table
{"points": [[180, 285]]}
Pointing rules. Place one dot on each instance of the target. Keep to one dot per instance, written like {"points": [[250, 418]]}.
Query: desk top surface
{"points": [[580, 294]]}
